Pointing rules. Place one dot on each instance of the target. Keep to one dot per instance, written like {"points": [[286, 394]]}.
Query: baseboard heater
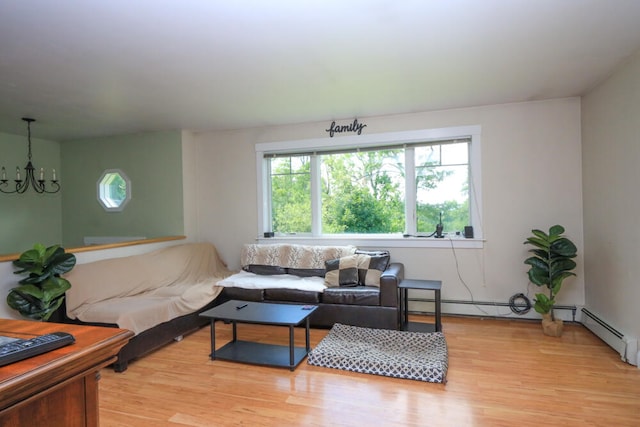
{"points": [[573, 308], [627, 347]]}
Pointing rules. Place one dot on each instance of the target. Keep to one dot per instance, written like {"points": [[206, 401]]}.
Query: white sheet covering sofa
{"points": [[157, 295]]}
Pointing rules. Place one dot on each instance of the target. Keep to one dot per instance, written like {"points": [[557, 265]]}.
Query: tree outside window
{"points": [[363, 192], [291, 194], [442, 187]]}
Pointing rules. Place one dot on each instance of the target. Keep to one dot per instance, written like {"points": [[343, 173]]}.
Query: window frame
{"points": [[100, 193], [371, 141]]}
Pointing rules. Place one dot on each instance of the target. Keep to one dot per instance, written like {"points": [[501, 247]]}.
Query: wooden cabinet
{"points": [[58, 388]]}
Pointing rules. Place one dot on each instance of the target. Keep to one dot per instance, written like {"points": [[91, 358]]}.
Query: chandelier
{"points": [[29, 181]]}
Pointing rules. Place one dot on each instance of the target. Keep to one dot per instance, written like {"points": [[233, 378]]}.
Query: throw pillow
{"points": [[341, 271], [370, 268]]}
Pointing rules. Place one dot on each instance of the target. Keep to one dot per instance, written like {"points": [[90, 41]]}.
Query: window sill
{"points": [[379, 241]]}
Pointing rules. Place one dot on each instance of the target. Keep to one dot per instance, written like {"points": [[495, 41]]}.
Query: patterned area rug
{"points": [[411, 355]]}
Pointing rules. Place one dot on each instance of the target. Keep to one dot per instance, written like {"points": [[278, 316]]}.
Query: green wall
{"points": [[30, 217], [153, 163]]}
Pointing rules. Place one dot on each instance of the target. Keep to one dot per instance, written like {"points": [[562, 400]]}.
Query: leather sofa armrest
{"points": [[389, 281]]}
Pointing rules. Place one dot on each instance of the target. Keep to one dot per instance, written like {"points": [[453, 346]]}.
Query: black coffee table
{"points": [[261, 313]]}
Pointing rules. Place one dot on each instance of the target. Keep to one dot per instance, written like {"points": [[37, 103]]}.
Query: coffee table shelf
{"points": [[260, 354], [290, 315]]}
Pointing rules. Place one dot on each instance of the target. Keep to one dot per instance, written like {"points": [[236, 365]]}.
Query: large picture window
{"points": [[399, 184]]}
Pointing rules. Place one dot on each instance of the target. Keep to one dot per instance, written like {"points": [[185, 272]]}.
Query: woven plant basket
{"points": [[550, 327]]}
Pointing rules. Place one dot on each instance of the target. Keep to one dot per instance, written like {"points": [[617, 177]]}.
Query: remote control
{"points": [[22, 349]]}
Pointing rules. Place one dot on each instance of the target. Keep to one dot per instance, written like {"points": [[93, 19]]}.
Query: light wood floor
{"points": [[501, 373]]}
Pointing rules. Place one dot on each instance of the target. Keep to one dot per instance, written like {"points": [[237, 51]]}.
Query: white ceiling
{"points": [[87, 68]]}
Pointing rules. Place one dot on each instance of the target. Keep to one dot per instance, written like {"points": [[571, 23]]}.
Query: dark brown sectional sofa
{"points": [[374, 306], [366, 305]]}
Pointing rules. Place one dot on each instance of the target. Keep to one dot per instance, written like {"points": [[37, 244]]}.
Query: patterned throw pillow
{"points": [[370, 268], [342, 271]]}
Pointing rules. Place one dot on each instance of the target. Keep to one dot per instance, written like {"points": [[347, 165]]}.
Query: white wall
{"points": [[611, 157], [532, 178]]}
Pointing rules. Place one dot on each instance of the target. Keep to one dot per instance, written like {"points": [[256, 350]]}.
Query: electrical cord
{"points": [[455, 257], [514, 304], [419, 235], [517, 308]]}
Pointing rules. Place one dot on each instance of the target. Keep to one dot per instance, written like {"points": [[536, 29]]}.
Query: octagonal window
{"points": [[114, 190]]}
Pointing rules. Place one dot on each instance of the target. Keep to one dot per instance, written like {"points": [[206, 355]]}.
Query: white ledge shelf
{"points": [[379, 241]]}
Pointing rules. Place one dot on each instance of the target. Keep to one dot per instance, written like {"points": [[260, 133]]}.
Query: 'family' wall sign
{"points": [[353, 127]]}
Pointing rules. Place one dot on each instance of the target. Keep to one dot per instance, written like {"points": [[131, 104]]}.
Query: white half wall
{"points": [[8, 279]]}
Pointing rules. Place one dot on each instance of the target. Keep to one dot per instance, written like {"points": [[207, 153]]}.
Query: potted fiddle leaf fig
{"points": [[550, 264], [41, 293]]}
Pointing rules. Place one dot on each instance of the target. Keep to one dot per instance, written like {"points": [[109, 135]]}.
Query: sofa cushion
{"points": [[342, 271], [370, 268], [292, 295], [265, 270], [244, 294], [307, 272], [361, 295]]}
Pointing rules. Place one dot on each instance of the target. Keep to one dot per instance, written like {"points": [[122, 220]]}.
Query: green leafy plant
{"points": [[550, 264], [41, 293]]}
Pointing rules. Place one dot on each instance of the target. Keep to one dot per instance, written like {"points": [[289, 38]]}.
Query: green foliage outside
{"points": [[291, 194], [113, 189], [454, 216], [361, 193], [119, 188]]}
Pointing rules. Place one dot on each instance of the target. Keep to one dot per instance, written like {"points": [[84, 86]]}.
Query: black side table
{"points": [[425, 285]]}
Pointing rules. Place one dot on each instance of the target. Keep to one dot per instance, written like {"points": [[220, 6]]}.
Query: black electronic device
{"points": [[468, 232], [16, 350], [439, 229]]}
